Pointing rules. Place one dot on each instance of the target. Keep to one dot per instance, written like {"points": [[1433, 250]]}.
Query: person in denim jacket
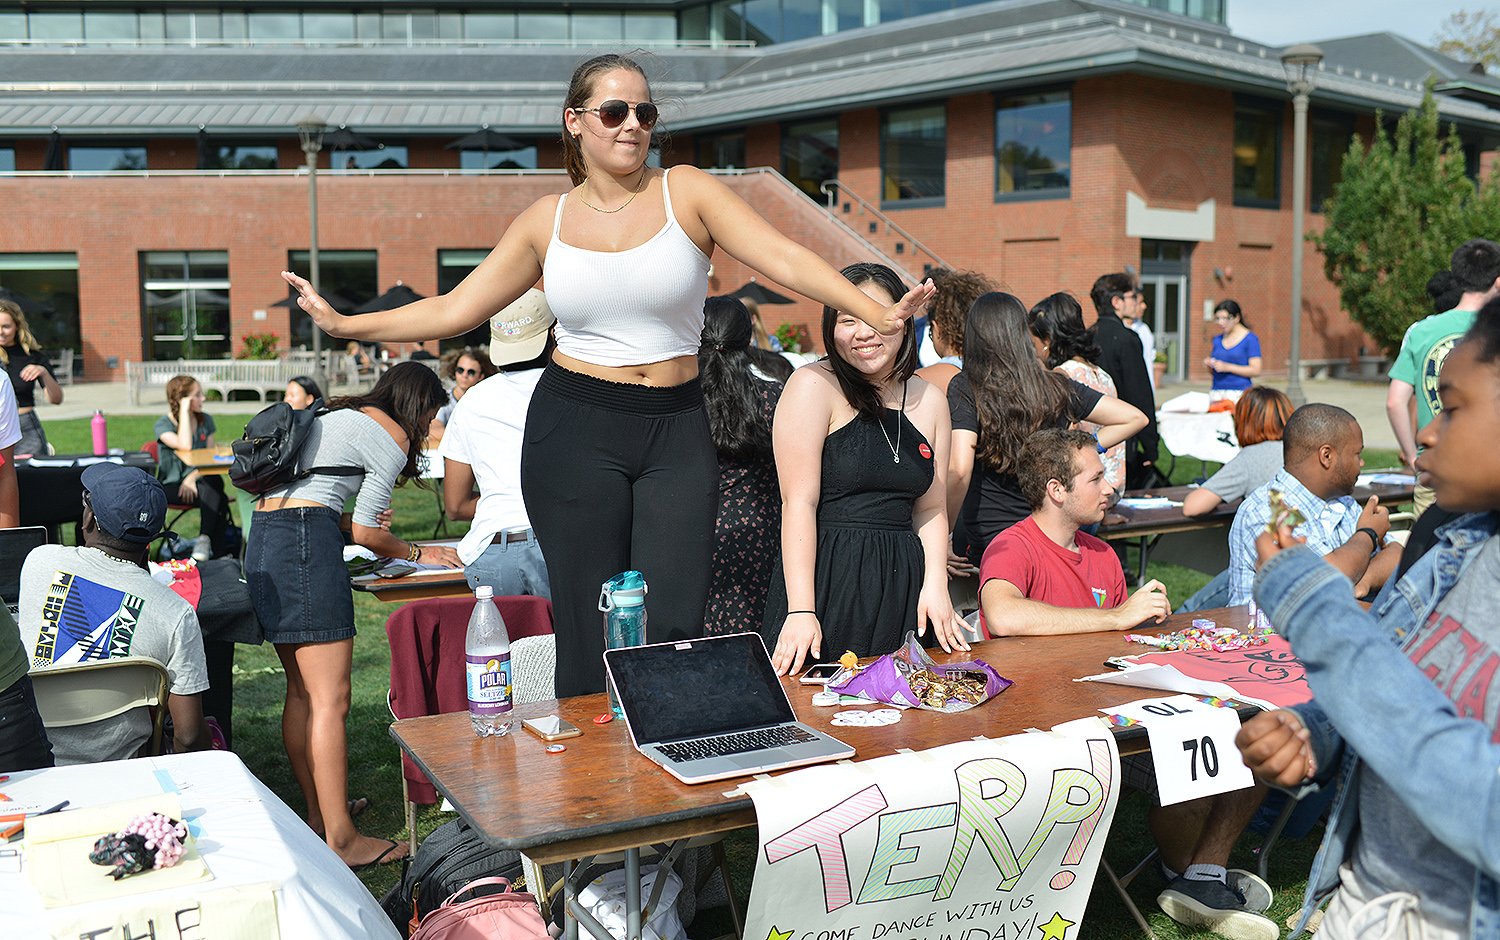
{"points": [[1405, 719]]}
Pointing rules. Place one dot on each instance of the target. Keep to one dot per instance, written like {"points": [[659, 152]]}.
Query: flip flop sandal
{"points": [[358, 805], [378, 860]]}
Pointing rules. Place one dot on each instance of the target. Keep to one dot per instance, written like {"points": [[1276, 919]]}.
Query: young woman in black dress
{"points": [[862, 454]]}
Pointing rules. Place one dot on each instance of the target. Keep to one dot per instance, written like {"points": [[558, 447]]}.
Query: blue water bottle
{"points": [[623, 600]]}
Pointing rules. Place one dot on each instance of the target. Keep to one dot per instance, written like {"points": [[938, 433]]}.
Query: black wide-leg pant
{"points": [[619, 477]]}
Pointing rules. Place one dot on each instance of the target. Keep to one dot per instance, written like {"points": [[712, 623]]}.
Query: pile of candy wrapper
{"points": [[1206, 635], [908, 678]]}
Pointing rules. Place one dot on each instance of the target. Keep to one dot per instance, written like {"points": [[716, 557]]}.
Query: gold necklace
{"points": [[640, 185]]}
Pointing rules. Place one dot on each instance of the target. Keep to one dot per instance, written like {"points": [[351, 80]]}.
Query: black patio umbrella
{"points": [[345, 139], [333, 298], [485, 139], [760, 294], [55, 160], [27, 305], [205, 150], [398, 296]]}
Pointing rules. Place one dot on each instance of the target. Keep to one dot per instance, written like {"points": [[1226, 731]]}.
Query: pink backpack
{"points": [[510, 915]]}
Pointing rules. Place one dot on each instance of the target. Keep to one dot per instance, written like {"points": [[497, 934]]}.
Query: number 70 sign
{"points": [[1192, 745]]}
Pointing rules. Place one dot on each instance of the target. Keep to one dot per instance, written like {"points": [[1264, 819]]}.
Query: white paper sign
{"points": [[1192, 745], [978, 839]]}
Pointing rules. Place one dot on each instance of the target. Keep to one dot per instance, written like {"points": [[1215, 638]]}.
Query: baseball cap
{"points": [[127, 501], [519, 332]]}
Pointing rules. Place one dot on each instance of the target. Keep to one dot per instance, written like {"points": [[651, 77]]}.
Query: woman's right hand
{"points": [[187, 490], [316, 307], [801, 638]]}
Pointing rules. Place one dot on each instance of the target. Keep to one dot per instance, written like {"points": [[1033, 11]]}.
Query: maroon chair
{"points": [[427, 667], [154, 449]]}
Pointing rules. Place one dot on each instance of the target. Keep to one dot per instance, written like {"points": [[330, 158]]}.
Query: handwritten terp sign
{"points": [[979, 840]]}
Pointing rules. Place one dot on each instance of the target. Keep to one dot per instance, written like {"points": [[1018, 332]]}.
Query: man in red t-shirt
{"points": [[1042, 575]]}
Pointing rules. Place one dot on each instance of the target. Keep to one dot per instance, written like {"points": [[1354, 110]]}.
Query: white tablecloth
{"points": [[1203, 436], [245, 834]]}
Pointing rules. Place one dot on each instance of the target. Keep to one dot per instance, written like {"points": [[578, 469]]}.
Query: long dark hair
{"points": [[407, 392], [1057, 320], [862, 394], [731, 393], [1013, 395], [309, 385]]}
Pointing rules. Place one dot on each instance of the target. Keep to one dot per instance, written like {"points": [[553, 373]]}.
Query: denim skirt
{"points": [[299, 585]]}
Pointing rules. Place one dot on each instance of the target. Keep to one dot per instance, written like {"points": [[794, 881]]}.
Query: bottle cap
{"points": [[626, 589], [484, 592]]}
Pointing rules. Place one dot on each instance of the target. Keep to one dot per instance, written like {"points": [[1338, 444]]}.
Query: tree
{"points": [[1472, 37], [1394, 219]]}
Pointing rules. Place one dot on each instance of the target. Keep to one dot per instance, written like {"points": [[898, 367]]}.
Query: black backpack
{"points": [[266, 457], [450, 857]]}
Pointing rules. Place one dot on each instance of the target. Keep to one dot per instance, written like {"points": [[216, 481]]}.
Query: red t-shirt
{"points": [[1044, 571]]}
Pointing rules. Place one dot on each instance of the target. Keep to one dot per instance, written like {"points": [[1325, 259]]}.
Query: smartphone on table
{"points": [[550, 728]]}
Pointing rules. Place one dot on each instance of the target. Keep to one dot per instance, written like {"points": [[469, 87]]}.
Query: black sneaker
{"points": [[1214, 905], [1257, 893]]}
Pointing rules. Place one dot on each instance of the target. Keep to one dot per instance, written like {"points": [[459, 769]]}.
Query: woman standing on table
{"points": [[299, 586], [862, 452], [618, 469], [1235, 359], [27, 366]]}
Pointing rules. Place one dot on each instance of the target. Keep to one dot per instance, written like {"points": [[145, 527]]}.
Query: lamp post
{"points": [[310, 130], [1301, 65]]}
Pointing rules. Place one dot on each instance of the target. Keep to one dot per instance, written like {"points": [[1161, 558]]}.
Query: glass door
{"points": [[1165, 268], [186, 296]]}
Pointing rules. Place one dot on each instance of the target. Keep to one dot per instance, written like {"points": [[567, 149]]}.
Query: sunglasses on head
{"points": [[612, 113]]}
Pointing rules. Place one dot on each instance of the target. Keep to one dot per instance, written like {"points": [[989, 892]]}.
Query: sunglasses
{"points": [[465, 371], [612, 113]]}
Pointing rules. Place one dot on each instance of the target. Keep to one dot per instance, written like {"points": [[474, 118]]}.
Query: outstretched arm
{"points": [[1008, 612], [729, 222], [510, 269]]}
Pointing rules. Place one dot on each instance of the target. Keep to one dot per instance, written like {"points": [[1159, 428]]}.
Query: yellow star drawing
{"points": [[778, 935], [1056, 928]]}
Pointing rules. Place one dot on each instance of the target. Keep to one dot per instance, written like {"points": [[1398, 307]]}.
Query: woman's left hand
{"points": [[947, 625], [910, 305]]}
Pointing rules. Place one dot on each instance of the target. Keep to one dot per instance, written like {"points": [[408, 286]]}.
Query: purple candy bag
{"points": [[886, 679]]}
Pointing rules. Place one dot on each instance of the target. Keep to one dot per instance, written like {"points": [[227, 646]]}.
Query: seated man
{"points": [[1322, 446], [1043, 576], [1411, 848], [100, 602]]}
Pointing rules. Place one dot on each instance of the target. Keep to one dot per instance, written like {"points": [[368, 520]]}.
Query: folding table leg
{"points": [[633, 893]]}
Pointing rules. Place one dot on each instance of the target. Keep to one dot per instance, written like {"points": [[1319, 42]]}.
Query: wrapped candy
{"points": [[149, 841], [1217, 639]]}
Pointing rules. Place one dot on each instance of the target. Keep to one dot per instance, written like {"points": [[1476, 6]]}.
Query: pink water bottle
{"points": [[100, 427]]}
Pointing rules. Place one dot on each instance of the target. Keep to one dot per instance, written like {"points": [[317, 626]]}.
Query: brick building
{"points": [[156, 186]]}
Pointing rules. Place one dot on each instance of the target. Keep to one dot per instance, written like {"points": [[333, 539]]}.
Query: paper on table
{"points": [[58, 845], [1147, 502], [242, 912], [1387, 479], [1268, 676]]}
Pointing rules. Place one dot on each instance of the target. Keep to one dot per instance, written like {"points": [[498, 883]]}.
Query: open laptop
{"points": [[15, 545], [713, 708]]}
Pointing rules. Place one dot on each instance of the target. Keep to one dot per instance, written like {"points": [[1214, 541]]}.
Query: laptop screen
{"points": [[696, 688], [15, 545]]}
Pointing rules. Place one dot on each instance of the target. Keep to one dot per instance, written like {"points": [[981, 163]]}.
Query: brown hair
{"points": [[178, 388], [449, 362], [1260, 415], [1014, 397], [956, 293], [24, 339], [579, 90], [1050, 454], [407, 392]]}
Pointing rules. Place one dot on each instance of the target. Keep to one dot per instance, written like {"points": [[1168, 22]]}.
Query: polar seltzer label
{"points": [[489, 684]]}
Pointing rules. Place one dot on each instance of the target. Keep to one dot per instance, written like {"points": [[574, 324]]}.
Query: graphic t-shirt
{"points": [[1044, 571], [1458, 648], [81, 605], [1423, 349]]}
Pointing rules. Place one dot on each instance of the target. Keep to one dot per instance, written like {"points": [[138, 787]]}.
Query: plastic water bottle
{"points": [[100, 426], [487, 651], [623, 600]]}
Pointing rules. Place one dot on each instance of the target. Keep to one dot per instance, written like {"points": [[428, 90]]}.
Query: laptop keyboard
{"points": [[737, 743]]}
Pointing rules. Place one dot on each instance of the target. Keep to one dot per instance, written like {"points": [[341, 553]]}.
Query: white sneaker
{"points": [[203, 548]]}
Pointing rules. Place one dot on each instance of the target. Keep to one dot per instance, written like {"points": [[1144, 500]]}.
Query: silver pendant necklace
{"points": [[896, 447]]}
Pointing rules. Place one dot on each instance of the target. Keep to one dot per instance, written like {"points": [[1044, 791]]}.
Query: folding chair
{"points": [[82, 693], [154, 449], [428, 669]]}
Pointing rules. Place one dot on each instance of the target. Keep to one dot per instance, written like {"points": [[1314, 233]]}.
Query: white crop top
{"points": [[631, 307]]}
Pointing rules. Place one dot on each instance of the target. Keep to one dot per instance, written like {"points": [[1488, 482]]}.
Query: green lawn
{"points": [[375, 767]]}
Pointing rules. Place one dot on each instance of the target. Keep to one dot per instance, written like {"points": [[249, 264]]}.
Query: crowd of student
{"points": [[622, 422]]}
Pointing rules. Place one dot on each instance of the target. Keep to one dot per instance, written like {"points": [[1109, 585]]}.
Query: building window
{"points": [[810, 155], [50, 279], [1034, 145], [106, 158], [242, 157], [516, 158], [1328, 141], [913, 152], [7, 159], [185, 300], [347, 279], [388, 157], [454, 264], [724, 152], [1257, 156]]}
